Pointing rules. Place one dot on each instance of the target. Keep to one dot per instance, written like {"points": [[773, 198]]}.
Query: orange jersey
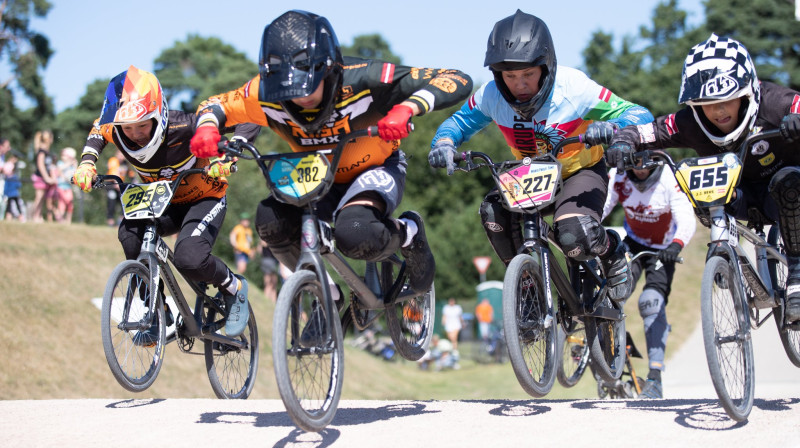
{"points": [[172, 157], [369, 90]]}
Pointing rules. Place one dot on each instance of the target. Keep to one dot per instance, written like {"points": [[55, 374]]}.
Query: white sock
{"points": [[411, 230], [231, 285]]}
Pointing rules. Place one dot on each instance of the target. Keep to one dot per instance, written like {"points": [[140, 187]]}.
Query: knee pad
{"points": [[500, 226], [193, 258], [785, 190], [362, 233], [581, 237], [650, 303], [277, 223]]}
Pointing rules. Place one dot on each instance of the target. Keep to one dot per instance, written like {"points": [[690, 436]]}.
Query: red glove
{"points": [[394, 125], [204, 142]]}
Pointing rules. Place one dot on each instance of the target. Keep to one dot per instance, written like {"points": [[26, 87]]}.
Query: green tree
{"points": [[769, 31], [371, 46], [26, 52], [193, 70]]}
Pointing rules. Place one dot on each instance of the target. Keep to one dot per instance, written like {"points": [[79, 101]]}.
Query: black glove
{"points": [[441, 156], [790, 127], [599, 133], [617, 155], [670, 253]]}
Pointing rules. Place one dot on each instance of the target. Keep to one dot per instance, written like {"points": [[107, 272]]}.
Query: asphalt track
{"points": [[688, 415]]}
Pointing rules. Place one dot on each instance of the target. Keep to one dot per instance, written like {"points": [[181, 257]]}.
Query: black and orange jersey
{"points": [[369, 90], [172, 157]]}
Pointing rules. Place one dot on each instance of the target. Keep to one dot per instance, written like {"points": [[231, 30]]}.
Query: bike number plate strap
{"points": [[529, 185], [709, 181], [293, 179], [141, 201]]}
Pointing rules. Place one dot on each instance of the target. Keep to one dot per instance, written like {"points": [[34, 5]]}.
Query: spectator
{"points": [[269, 266], [453, 321], [117, 166], [66, 167], [241, 238], [5, 146], [12, 191], [44, 179], [484, 313]]}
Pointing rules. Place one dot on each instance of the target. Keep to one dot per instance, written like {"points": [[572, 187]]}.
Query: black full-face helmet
{"points": [[299, 50], [517, 42], [645, 184], [720, 69]]}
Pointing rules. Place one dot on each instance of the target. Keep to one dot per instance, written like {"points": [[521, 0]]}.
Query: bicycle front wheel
{"points": [[530, 326], [790, 338], [726, 335], [232, 370], [134, 353], [574, 351], [307, 352]]}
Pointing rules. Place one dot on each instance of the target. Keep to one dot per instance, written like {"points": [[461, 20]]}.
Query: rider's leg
{"points": [[501, 226], [278, 224], [578, 209], [785, 191]]}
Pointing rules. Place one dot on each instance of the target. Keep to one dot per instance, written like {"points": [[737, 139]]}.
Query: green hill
{"points": [[52, 348]]}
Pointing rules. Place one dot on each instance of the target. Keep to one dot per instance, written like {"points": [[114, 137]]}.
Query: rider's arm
{"points": [[466, 122], [234, 107], [681, 209], [428, 88], [597, 103], [612, 198], [98, 138]]}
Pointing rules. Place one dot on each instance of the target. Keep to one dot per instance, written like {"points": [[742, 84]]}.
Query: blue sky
{"points": [[96, 39]]}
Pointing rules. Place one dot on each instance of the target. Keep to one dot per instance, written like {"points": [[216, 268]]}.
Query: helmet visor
{"points": [[291, 76]]}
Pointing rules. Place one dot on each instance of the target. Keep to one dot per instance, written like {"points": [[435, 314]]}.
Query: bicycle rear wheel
{"points": [[411, 321], [307, 352], [726, 335], [133, 353], [607, 343], [530, 326], [790, 338], [574, 351], [232, 370]]}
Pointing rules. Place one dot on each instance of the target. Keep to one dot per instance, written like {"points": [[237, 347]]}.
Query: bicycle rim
{"points": [[530, 326], [778, 272], [726, 335], [309, 376], [134, 356], [232, 370], [574, 351]]}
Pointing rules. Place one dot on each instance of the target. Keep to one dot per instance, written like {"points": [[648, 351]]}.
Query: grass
{"points": [[53, 350]]}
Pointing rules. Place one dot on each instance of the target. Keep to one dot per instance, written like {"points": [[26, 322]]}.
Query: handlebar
{"points": [[101, 181], [651, 253], [470, 156]]}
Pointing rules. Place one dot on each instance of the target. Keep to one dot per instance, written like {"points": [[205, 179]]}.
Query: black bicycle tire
{"points": [[221, 384], [789, 338], [414, 347], [309, 420], [608, 360], [737, 408], [541, 386], [571, 379], [110, 334]]}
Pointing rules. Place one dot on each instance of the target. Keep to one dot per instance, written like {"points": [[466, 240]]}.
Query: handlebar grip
{"points": [[372, 131]]}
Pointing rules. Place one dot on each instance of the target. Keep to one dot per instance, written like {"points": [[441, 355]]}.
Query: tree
{"points": [[769, 31], [26, 52], [200, 67], [371, 46]]}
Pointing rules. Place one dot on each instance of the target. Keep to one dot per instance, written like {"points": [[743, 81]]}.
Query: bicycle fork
{"points": [[316, 234]]}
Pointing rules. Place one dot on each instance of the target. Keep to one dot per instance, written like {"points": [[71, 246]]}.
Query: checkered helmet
{"points": [[717, 70]]}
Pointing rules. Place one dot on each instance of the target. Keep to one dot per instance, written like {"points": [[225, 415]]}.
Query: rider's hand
{"points": [[84, 175], [599, 133], [221, 167], [617, 154], [394, 125], [442, 154], [790, 127], [670, 253], [204, 142]]}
